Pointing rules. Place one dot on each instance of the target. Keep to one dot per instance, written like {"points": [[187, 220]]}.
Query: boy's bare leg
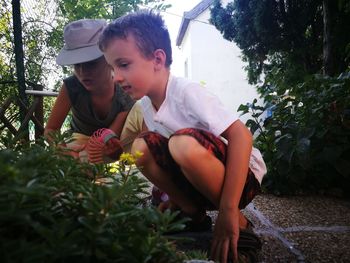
{"points": [[204, 171], [161, 179]]}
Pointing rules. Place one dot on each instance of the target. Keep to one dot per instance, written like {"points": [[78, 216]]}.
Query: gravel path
{"points": [[297, 229], [302, 229]]}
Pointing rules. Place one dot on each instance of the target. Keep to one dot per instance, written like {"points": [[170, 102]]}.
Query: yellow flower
{"points": [[130, 159], [114, 167], [138, 154]]}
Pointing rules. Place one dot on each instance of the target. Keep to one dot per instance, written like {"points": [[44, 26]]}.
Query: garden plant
{"points": [[56, 209], [306, 140]]}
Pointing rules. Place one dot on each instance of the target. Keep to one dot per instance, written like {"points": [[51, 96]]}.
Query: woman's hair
{"points": [[148, 30]]}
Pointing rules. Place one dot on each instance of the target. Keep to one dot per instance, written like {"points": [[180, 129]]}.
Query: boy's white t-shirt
{"points": [[189, 105]]}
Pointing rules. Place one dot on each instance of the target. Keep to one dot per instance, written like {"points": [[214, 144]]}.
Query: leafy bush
{"points": [[306, 141], [53, 209]]}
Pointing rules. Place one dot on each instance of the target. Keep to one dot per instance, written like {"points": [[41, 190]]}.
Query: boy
{"points": [[184, 154]]}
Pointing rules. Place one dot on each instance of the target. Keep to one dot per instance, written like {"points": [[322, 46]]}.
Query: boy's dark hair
{"points": [[148, 29]]}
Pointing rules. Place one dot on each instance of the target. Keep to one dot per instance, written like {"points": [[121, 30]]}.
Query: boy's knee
{"points": [[139, 144], [181, 147]]}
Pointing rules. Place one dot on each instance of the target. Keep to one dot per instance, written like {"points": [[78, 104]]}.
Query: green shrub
{"points": [[53, 210], [306, 142]]}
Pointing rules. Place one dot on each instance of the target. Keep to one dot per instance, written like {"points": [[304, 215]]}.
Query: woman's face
{"points": [[93, 74]]}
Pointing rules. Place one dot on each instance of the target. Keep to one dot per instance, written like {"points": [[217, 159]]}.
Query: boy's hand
{"points": [[226, 234]]}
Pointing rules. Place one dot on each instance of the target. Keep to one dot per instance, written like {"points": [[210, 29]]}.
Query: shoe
{"points": [[249, 227], [194, 226], [205, 225], [248, 248], [248, 240]]}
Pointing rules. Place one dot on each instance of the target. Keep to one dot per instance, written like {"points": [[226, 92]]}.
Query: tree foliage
{"points": [[42, 29], [107, 9], [306, 141], [298, 55], [42, 25], [284, 35]]}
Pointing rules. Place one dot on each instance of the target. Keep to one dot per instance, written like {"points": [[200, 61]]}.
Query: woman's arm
{"points": [[118, 123], [59, 112]]}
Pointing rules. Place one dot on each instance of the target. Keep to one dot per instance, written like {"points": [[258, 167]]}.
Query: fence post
{"points": [[18, 50], [39, 112]]}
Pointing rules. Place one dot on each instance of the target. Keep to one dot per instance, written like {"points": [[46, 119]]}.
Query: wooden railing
{"points": [[35, 113]]}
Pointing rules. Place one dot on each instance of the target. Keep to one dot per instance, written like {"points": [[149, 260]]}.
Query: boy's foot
{"points": [[199, 226], [245, 223], [194, 226]]}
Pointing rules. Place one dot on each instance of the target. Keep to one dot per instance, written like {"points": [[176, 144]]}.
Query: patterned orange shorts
{"points": [[158, 146]]}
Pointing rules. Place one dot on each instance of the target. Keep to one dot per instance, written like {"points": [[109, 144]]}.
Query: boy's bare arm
{"points": [[226, 232], [240, 143], [144, 127]]}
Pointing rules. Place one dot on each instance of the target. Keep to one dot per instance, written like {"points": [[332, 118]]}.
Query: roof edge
{"points": [[190, 15]]}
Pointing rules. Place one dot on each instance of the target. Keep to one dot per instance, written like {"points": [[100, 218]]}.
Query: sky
{"points": [[173, 18]]}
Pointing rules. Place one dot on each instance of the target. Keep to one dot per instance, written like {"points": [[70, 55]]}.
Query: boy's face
{"points": [[132, 70]]}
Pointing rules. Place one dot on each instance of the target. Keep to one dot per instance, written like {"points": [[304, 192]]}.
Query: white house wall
{"points": [[185, 51], [216, 62]]}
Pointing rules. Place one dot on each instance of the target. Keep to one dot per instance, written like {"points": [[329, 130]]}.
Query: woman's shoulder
{"points": [[74, 88], [120, 97], [72, 83]]}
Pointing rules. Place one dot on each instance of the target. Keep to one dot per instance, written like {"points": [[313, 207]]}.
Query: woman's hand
{"points": [[72, 150]]}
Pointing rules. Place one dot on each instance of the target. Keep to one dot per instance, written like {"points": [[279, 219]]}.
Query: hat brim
{"points": [[79, 55]]}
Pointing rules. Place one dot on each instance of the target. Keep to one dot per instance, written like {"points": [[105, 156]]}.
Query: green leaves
{"points": [[306, 141], [42, 30], [107, 9], [280, 42], [53, 210]]}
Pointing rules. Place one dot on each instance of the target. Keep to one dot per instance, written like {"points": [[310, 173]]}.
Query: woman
{"points": [[95, 101]]}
